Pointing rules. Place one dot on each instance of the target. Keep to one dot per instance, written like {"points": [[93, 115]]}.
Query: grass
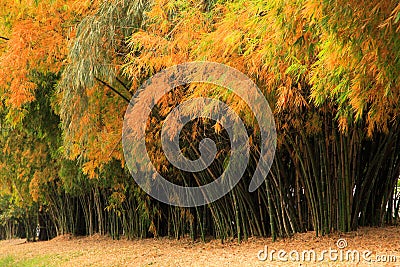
{"points": [[38, 261]]}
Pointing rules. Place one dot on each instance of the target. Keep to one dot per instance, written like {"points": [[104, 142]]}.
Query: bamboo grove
{"points": [[329, 70]]}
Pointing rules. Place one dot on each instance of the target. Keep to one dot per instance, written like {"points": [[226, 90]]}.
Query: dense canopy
{"points": [[330, 70]]}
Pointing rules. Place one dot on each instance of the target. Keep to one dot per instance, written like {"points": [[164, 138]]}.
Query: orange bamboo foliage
{"points": [[341, 52], [38, 33]]}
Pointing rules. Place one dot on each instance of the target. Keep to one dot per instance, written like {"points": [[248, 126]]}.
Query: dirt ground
{"points": [[383, 243]]}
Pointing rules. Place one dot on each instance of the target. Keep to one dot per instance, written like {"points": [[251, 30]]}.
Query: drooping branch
{"points": [[124, 85], [113, 89]]}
